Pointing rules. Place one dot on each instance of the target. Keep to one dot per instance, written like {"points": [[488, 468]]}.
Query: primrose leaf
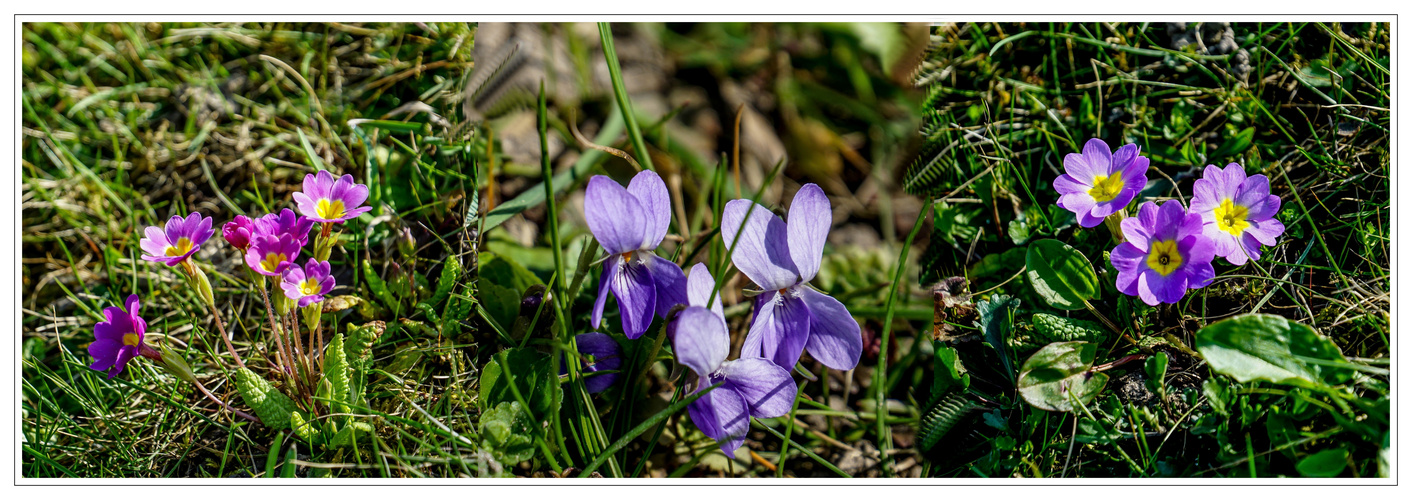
{"points": [[336, 371], [1062, 276], [1273, 349], [272, 406], [1060, 373], [1051, 328], [507, 431]]}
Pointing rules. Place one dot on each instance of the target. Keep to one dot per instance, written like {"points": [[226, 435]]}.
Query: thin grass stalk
{"points": [[620, 92], [880, 376]]}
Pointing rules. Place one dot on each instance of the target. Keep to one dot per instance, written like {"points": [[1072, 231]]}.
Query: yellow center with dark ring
{"points": [[1163, 257]]}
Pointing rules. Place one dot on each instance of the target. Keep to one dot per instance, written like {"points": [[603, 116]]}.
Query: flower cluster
{"points": [[790, 317], [1168, 249]]}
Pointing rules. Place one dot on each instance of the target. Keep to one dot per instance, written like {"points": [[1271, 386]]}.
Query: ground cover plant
{"points": [[705, 250]]}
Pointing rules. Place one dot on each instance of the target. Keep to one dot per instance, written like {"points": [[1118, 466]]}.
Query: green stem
{"points": [[615, 73], [642, 427], [880, 376]]}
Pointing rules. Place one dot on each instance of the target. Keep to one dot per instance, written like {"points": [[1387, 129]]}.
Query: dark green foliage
{"points": [[942, 417]]}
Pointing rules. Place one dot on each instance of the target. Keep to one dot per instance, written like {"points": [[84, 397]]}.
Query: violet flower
{"points": [[750, 387], [790, 316], [238, 232], [327, 200], [698, 289], [1238, 212], [605, 355], [177, 240], [1099, 183], [629, 224], [270, 255], [285, 222], [307, 285], [120, 339], [1164, 255]]}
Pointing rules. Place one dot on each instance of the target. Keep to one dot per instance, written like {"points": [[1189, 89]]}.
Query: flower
{"points": [[119, 339], [270, 255], [698, 288], [629, 224], [1238, 212], [600, 352], [307, 285], [285, 222], [789, 316], [327, 200], [178, 240], [238, 232], [1099, 183], [1164, 255], [750, 386]]}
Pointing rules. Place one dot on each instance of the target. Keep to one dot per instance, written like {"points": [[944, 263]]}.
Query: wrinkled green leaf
{"points": [[1050, 328], [507, 431], [1060, 373], [336, 372], [272, 406], [1061, 275], [531, 373], [1273, 349]]}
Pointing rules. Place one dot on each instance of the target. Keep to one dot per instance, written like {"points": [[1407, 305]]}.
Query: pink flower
{"points": [[238, 232], [327, 200], [307, 285], [178, 240]]}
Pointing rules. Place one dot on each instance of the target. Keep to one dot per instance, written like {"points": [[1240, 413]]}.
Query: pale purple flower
{"points": [[750, 387], [789, 315], [119, 339], [271, 255], [178, 240], [604, 354], [307, 285], [699, 285], [1098, 182], [327, 200], [1164, 255], [285, 222], [1238, 212], [629, 224], [239, 232]]}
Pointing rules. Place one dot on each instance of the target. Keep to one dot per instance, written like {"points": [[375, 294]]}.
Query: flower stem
{"points": [[215, 314], [284, 351], [213, 397]]}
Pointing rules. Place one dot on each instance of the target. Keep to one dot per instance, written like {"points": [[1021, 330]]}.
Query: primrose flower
{"points": [[750, 387], [327, 200], [629, 224], [239, 231], [790, 316], [1164, 255], [119, 339], [271, 255], [178, 240], [307, 285], [1099, 183], [285, 222], [605, 355], [1238, 212]]}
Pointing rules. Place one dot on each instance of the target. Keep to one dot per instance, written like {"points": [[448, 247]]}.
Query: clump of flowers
{"points": [[629, 224], [1238, 212], [749, 386]]}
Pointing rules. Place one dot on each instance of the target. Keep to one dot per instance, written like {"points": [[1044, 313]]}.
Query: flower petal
{"points": [[767, 388], [651, 193], [669, 282], [834, 336], [762, 252], [699, 285], [1267, 232], [700, 340], [614, 215], [637, 298], [1223, 244], [1135, 229], [607, 355], [779, 330], [1254, 194], [611, 268], [722, 415], [809, 221]]}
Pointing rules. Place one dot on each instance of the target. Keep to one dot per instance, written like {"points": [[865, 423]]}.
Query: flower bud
{"points": [[176, 365], [238, 232], [407, 243]]}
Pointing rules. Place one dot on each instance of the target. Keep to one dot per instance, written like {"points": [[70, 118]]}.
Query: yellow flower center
{"points": [[330, 209], [182, 246], [1106, 187], [272, 261], [1230, 217], [1163, 257], [131, 339], [309, 287]]}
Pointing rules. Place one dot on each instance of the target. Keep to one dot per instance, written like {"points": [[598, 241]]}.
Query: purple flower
{"points": [[629, 224], [180, 238], [1238, 212], [1164, 255], [119, 339], [238, 232], [749, 386], [285, 222], [271, 255], [781, 259], [605, 355], [698, 288], [307, 285], [327, 200], [1099, 183]]}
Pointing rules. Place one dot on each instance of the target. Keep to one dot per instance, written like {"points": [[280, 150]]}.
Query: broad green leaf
{"points": [[949, 374], [378, 287], [1327, 463], [1234, 145], [531, 373], [272, 406], [1270, 348], [1053, 378], [1062, 276], [1156, 368], [995, 316]]}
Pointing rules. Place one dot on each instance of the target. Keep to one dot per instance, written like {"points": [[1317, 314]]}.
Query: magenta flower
{"points": [[1099, 183], [750, 387], [307, 285], [605, 355], [629, 224], [1238, 212], [119, 339], [790, 316], [238, 232], [1164, 255], [285, 222], [327, 200], [178, 240], [271, 255]]}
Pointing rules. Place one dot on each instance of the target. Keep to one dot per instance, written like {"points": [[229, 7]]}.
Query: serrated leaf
{"points": [[302, 428], [336, 372], [507, 430], [1060, 373], [272, 406], [1061, 275], [1273, 349]]}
